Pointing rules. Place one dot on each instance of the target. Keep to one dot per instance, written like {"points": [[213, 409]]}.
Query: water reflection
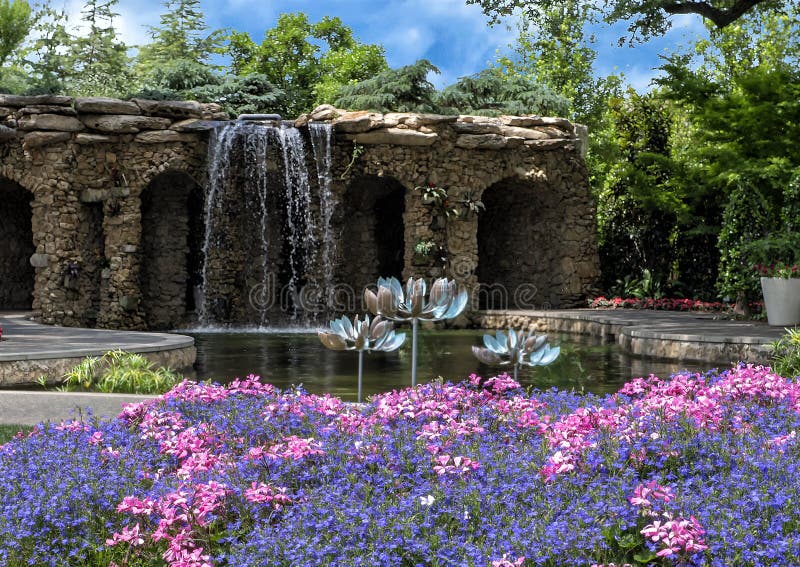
{"points": [[585, 364]]}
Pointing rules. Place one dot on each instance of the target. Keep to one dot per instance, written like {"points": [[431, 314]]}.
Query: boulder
{"points": [[396, 137], [7, 133], [104, 105], [124, 124], [549, 144], [357, 122], [46, 109], [86, 139], [39, 139], [19, 101], [325, 112], [417, 120], [171, 108], [164, 136], [50, 122], [525, 133], [40, 260], [196, 125], [477, 128]]}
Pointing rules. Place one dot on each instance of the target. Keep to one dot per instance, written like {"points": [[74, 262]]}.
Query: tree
{"points": [[15, 24], [647, 18], [309, 62], [99, 59], [47, 60], [406, 89]]}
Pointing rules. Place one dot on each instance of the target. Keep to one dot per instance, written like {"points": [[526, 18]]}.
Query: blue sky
{"points": [[452, 35]]}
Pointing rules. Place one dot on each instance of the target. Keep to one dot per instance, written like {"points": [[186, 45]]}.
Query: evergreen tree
{"points": [[99, 59], [406, 89]]}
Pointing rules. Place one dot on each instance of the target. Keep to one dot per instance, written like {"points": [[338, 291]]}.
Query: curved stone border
{"points": [[30, 350], [668, 335]]}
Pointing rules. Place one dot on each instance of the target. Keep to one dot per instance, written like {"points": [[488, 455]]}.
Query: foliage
{"points": [[48, 57], [247, 475], [119, 372], [786, 353], [292, 59], [8, 432], [405, 89], [99, 60], [248, 94], [491, 93], [645, 18], [15, 24]]}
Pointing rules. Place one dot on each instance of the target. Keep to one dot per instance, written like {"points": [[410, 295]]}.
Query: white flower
{"points": [[427, 500]]}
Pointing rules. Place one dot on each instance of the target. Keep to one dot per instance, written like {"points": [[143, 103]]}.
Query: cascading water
{"points": [[249, 216], [321, 142]]}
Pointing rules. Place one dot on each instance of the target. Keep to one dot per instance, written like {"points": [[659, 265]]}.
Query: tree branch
{"points": [[720, 17]]}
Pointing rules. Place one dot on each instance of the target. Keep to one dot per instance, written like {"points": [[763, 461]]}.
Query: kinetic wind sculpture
{"points": [[513, 348], [361, 336], [446, 301]]}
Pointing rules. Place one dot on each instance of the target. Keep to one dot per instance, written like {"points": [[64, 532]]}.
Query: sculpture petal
{"points": [[371, 301], [485, 355], [387, 302], [332, 341]]}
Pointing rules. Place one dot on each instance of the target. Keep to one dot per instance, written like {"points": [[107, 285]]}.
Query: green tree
{"points": [[309, 62], [15, 24], [47, 59], [646, 18], [99, 59], [406, 89]]}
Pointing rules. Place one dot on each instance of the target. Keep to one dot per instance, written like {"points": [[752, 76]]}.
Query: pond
{"points": [[287, 358]]}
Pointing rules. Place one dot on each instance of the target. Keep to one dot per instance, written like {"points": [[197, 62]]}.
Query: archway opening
{"points": [[373, 231], [514, 247], [16, 247], [171, 249]]}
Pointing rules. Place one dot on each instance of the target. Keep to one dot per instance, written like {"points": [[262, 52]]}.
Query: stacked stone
{"points": [[469, 132], [50, 119]]}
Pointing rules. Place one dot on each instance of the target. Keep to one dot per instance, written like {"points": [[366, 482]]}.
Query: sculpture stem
{"points": [[414, 324], [360, 372], [516, 370]]}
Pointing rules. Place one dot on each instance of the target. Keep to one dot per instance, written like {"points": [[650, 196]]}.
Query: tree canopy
{"points": [[647, 18]]}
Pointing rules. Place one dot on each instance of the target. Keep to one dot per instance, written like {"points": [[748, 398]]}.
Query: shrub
{"points": [[119, 372]]}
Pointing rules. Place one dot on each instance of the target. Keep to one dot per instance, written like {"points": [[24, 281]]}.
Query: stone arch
{"points": [[171, 248], [372, 242], [16, 246], [518, 242]]}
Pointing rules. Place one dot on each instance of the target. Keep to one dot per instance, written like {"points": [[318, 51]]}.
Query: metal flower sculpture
{"points": [[516, 349], [445, 301], [361, 336]]}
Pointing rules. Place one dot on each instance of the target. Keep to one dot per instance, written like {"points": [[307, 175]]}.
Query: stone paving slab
{"points": [[26, 340]]}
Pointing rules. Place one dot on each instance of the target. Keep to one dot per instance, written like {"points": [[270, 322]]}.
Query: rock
{"points": [[325, 112], [40, 260], [529, 121], [7, 133], [196, 125], [128, 303], [170, 108], [582, 136], [481, 141], [301, 121], [18, 101], [477, 127], [548, 144], [417, 120], [50, 122], [129, 248], [213, 111], [39, 139], [92, 195], [357, 122], [8, 111], [164, 136], [46, 109], [525, 133], [397, 137], [104, 105], [124, 124], [86, 139]]}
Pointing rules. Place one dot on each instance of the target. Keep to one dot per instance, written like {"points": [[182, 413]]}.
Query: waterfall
{"points": [[321, 143], [253, 141], [263, 225], [301, 229]]}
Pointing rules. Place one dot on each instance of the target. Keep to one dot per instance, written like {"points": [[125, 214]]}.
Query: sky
{"points": [[454, 36]]}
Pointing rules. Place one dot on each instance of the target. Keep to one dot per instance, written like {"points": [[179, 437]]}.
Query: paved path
{"points": [[20, 407], [26, 340]]}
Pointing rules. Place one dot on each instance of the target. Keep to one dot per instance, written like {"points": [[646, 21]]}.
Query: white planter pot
{"points": [[782, 300]]}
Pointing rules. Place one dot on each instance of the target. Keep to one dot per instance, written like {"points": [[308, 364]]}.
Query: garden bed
{"points": [[669, 304], [695, 470]]}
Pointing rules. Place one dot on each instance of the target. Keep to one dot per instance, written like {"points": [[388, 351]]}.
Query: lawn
{"points": [[698, 469]]}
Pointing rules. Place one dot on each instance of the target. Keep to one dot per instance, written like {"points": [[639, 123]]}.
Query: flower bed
{"points": [[668, 304], [695, 470]]}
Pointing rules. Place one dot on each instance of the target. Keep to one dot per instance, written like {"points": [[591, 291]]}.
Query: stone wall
{"points": [[117, 193]]}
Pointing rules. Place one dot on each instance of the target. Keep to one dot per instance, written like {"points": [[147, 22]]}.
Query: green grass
{"points": [[7, 432]]}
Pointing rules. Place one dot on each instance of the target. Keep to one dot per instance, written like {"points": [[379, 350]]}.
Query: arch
{"points": [[372, 240], [16, 246], [518, 243], [171, 248]]}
